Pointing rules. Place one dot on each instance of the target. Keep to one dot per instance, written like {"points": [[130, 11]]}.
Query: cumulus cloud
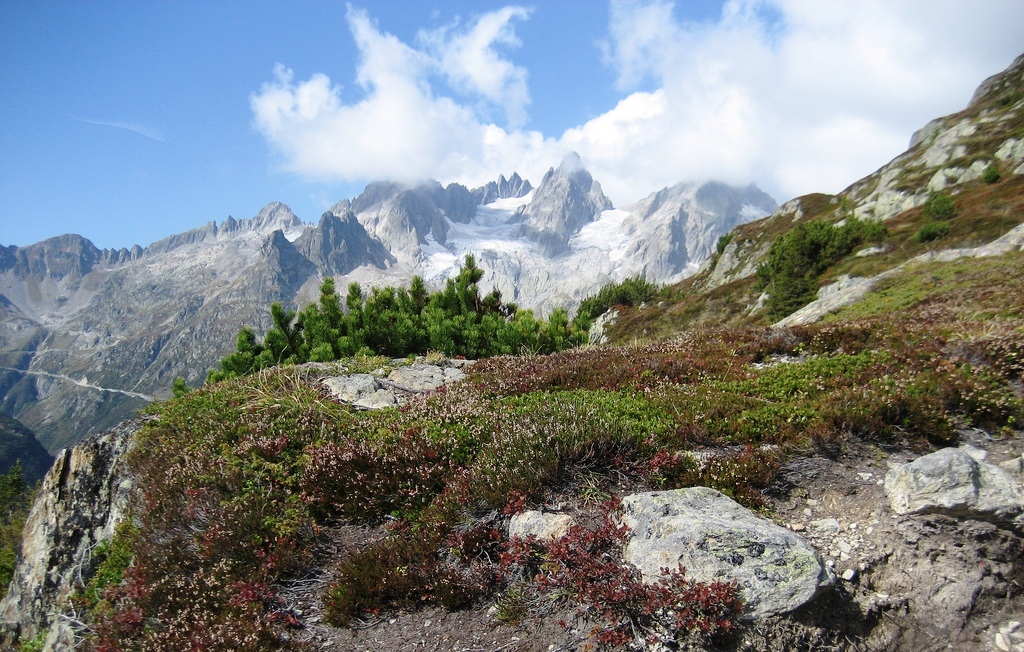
{"points": [[795, 95], [471, 62]]}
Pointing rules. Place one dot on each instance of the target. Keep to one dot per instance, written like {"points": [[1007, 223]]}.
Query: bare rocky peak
{"points": [[340, 244], [503, 188], [60, 257], [402, 218], [273, 217], [567, 199]]}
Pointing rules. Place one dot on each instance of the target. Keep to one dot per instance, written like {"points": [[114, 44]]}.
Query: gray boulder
{"points": [[79, 504], [716, 539], [952, 482]]}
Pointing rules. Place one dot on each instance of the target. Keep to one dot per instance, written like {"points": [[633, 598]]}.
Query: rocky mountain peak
{"points": [[678, 227], [571, 164], [274, 216], [402, 218], [567, 199], [339, 244], [55, 258]]}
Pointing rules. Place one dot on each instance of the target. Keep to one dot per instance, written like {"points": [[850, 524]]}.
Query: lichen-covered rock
{"points": [[951, 481], [716, 539], [372, 392], [542, 525], [352, 388], [79, 504], [424, 377]]}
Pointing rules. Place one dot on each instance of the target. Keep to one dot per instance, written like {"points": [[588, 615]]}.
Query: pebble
{"points": [[1010, 638], [797, 527], [849, 574], [826, 524], [1002, 643]]}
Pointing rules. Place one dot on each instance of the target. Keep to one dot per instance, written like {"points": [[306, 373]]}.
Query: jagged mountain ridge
{"points": [[88, 335]]}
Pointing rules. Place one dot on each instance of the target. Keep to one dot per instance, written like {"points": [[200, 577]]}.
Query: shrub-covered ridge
{"points": [[243, 479]]}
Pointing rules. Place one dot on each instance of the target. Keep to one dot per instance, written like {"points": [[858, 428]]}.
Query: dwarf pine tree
{"points": [[455, 320]]}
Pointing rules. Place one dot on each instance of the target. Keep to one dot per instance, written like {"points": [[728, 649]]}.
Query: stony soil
{"points": [[908, 583]]}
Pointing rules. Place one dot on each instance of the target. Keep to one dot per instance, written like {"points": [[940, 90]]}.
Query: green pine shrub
{"points": [[797, 259], [939, 206], [991, 174], [932, 231], [398, 322]]}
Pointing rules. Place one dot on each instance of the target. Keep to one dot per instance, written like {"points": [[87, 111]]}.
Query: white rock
{"points": [[539, 524], [351, 388], [952, 482]]}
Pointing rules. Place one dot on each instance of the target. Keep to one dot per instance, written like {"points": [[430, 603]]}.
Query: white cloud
{"points": [[796, 95], [469, 60]]}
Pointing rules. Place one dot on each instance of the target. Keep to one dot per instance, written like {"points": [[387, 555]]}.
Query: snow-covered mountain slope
{"points": [[664, 238]]}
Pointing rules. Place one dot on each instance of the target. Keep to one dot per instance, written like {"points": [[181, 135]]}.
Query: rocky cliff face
{"points": [[80, 502], [511, 188], [677, 228]]}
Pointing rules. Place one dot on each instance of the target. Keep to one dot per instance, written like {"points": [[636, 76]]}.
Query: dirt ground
{"points": [[908, 583]]}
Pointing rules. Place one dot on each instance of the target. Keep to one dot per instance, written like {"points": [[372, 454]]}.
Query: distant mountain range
{"points": [[87, 336]]}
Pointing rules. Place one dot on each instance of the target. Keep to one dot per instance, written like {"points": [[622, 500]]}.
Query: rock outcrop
{"points": [[81, 501], [952, 482], [567, 199], [375, 391], [716, 539], [542, 525]]}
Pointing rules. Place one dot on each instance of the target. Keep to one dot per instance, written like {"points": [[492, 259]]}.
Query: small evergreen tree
{"points": [[401, 321]]}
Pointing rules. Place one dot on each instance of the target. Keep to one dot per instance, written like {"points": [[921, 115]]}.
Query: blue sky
{"points": [[129, 121]]}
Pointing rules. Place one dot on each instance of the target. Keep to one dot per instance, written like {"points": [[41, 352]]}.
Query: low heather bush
{"points": [[585, 565]]}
